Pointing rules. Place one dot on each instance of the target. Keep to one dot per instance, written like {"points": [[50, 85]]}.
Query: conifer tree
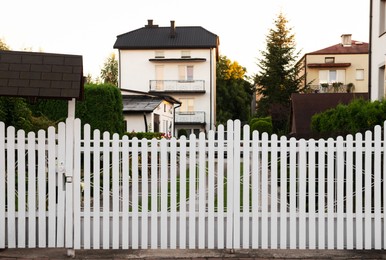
{"points": [[278, 77]]}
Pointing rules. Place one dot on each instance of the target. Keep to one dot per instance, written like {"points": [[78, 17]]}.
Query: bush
{"points": [[356, 117], [182, 132], [141, 135], [261, 124]]}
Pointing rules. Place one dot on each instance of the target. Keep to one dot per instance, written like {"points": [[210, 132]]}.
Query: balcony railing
{"points": [[330, 88], [177, 85], [195, 117]]}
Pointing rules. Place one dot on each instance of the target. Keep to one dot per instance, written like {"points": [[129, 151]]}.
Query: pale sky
{"points": [[89, 27]]}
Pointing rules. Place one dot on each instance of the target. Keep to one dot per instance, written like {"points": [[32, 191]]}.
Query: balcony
{"points": [[173, 86], [195, 117], [330, 88]]}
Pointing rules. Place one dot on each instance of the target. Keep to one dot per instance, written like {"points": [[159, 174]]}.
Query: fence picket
{"points": [[86, 188], [273, 187], [134, 195], [340, 193], [264, 192], [321, 194], [377, 188], [164, 195], [192, 191], [201, 191], [77, 185], [52, 179], [125, 192], [42, 187], [60, 228], [302, 187], [21, 188], [220, 188], [368, 196], [349, 192], [145, 191], [246, 186], [255, 189], [31, 190], [229, 186], [311, 195], [11, 176], [283, 192], [236, 184], [358, 191], [330, 194], [97, 189], [115, 189], [154, 194], [106, 191], [2, 185], [293, 192], [173, 193], [183, 187], [211, 191]]}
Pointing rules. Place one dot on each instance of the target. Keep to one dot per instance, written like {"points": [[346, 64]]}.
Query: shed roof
{"points": [[140, 103], [154, 37], [41, 75]]}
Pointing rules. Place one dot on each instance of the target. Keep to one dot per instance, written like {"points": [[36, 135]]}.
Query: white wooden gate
{"points": [[73, 188]]}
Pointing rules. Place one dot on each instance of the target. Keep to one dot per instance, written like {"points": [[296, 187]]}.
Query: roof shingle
{"points": [[44, 75]]}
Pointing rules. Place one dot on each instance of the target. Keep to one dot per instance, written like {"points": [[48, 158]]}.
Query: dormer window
{"points": [[159, 54], [185, 54], [329, 60]]}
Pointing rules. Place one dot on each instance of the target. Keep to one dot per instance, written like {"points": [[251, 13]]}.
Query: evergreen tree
{"points": [[233, 92], [279, 75]]}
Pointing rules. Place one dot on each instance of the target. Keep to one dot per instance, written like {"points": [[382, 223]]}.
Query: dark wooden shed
{"points": [[304, 106]]}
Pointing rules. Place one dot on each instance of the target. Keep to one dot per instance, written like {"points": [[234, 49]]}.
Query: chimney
{"points": [[150, 24], [172, 29], [346, 40]]}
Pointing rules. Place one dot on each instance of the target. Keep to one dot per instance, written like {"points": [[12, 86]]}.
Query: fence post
{"points": [[69, 236]]}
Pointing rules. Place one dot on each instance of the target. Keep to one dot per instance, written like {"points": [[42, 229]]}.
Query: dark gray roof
{"points": [[44, 75], [153, 37], [140, 103]]}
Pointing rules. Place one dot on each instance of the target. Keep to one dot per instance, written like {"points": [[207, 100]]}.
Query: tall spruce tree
{"points": [[279, 73]]}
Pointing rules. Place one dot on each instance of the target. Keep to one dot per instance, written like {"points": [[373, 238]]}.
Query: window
{"points": [[185, 54], [185, 73], [330, 76], [360, 74], [329, 60], [382, 17], [187, 105], [159, 54]]}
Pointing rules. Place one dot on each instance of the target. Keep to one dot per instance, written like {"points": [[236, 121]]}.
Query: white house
{"points": [[377, 59], [144, 112], [179, 61]]}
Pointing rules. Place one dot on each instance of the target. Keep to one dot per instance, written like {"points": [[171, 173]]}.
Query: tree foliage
{"points": [[109, 72], [278, 77], [234, 92], [3, 45]]}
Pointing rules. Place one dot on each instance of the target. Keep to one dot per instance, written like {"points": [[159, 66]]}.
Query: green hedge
{"points": [[356, 117], [101, 108]]}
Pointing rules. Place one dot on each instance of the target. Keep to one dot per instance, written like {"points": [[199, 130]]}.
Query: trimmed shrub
{"points": [[141, 135], [262, 125], [356, 117]]}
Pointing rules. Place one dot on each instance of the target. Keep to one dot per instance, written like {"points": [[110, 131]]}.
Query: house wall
{"points": [[378, 52], [136, 122], [358, 61], [136, 71]]}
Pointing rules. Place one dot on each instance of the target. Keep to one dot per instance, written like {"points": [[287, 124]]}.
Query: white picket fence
{"points": [[73, 188]]}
